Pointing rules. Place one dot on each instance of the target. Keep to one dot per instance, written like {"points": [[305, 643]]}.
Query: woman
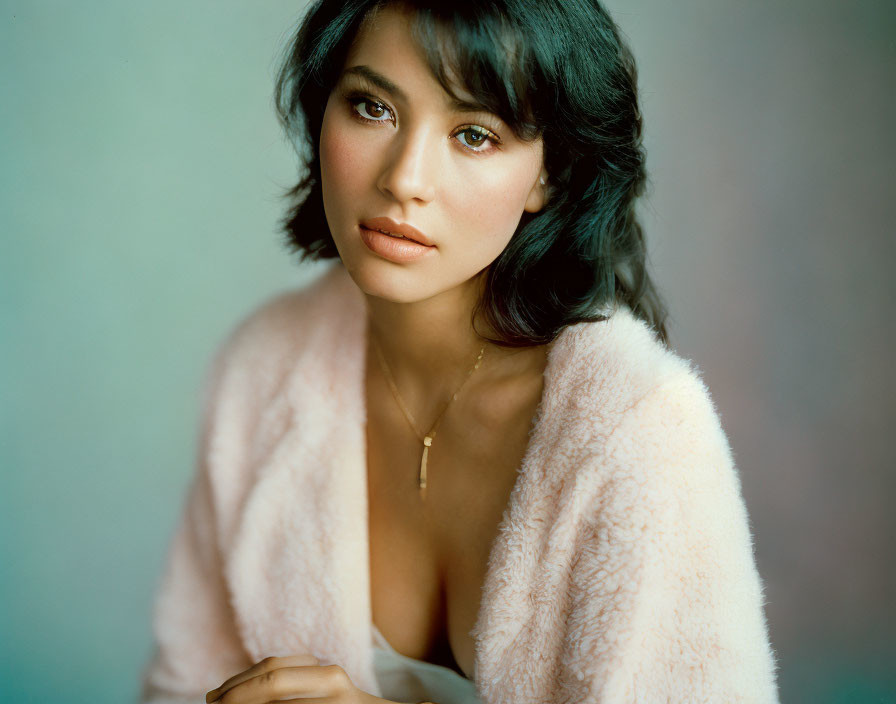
{"points": [[463, 465]]}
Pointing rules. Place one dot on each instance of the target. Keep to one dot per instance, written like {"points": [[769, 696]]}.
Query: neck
{"points": [[430, 345]]}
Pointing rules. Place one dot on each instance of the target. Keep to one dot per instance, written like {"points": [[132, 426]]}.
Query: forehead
{"points": [[387, 23], [386, 48]]}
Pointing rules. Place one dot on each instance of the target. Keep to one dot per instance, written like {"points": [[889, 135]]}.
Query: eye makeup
{"points": [[474, 136], [358, 92]]}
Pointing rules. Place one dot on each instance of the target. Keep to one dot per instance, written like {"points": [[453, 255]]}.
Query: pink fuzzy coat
{"points": [[623, 570]]}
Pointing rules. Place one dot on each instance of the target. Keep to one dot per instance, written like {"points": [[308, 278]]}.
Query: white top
{"points": [[404, 679]]}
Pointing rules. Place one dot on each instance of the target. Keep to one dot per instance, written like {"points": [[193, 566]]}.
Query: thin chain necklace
{"points": [[425, 438]]}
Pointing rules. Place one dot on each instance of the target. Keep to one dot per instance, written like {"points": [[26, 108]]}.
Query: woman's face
{"points": [[393, 146]]}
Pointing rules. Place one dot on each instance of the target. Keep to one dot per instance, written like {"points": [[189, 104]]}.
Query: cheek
{"points": [[347, 162], [492, 200], [335, 157]]}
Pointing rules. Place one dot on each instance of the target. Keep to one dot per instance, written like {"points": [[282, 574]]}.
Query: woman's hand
{"points": [[295, 677]]}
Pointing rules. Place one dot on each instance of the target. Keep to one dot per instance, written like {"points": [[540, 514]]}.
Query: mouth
{"points": [[388, 226], [391, 234], [400, 250]]}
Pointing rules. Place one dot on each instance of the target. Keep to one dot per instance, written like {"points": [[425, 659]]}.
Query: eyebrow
{"points": [[385, 84]]}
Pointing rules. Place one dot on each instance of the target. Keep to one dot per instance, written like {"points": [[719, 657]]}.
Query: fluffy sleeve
{"points": [[666, 600], [196, 644]]}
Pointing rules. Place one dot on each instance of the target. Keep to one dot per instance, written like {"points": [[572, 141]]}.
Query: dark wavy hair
{"points": [[551, 68]]}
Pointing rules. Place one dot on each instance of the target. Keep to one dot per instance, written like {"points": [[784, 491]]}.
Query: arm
{"points": [[666, 598]]}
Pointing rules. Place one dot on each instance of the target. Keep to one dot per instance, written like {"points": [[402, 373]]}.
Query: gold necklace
{"points": [[425, 438]]}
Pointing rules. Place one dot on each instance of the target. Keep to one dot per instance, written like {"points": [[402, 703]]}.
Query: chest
{"points": [[429, 557]]}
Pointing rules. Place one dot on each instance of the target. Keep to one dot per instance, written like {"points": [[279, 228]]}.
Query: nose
{"points": [[408, 172]]}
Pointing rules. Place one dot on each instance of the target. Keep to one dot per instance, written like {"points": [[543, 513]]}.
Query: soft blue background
{"points": [[141, 172]]}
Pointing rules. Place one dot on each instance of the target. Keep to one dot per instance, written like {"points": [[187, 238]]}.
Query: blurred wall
{"points": [[141, 169]]}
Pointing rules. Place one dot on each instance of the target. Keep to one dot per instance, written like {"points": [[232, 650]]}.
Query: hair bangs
{"points": [[476, 49], [556, 70]]}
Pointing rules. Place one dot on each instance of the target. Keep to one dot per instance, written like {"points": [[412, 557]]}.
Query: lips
{"points": [[399, 250], [389, 227]]}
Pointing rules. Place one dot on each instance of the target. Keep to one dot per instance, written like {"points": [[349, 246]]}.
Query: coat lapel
{"points": [[299, 567]]}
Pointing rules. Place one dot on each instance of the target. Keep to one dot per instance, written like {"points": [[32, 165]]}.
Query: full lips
{"points": [[393, 248]]}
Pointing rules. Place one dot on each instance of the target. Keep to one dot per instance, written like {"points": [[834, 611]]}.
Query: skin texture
{"points": [[413, 158], [295, 677], [416, 160]]}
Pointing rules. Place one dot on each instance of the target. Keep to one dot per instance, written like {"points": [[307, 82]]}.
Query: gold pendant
{"points": [[427, 441]]}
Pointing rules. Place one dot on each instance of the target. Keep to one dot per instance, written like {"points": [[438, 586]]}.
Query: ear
{"points": [[538, 196]]}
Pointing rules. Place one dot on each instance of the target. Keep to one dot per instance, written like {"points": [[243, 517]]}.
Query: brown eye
{"points": [[378, 110], [475, 138], [368, 109], [472, 138]]}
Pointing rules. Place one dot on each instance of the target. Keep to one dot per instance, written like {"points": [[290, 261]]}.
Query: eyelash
{"points": [[486, 134]]}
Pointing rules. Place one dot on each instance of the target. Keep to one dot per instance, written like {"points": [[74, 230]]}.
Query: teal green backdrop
{"points": [[141, 171], [141, 168]]}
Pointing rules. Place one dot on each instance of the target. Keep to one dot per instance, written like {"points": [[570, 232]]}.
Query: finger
{"points": [[262, 666], [288, 683]]}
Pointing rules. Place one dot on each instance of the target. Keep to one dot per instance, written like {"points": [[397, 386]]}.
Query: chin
{"points": [[403, 283], [391, 282]]}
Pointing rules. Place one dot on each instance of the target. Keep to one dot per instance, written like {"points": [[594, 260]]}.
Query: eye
{"points": [[476, 137], [374, 109], [367, 109]]}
